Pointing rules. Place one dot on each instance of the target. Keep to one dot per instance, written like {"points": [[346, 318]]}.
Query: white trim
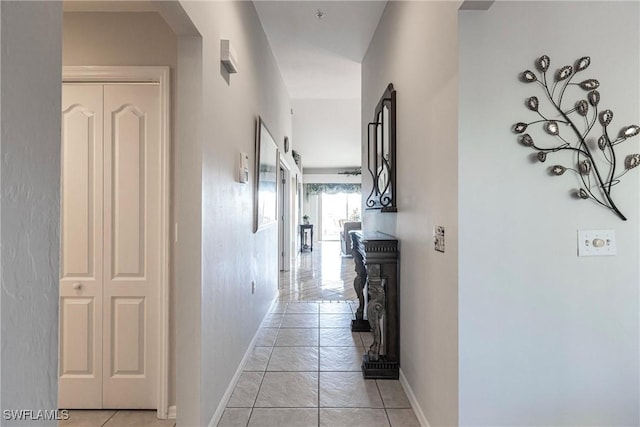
{"points": [[284, 253], [159, 75], [422, 419], [83, 73], [173, 411], [217, 415]]}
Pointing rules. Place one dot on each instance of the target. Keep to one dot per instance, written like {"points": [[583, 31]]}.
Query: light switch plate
{"points": [[596, 242]]}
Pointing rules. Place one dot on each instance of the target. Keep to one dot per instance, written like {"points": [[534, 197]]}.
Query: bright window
{"points": [[337, 209]]}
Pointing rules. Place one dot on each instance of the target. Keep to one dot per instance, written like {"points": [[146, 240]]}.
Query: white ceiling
{"points": [[327, 132], [320, 63], [320, 58]]}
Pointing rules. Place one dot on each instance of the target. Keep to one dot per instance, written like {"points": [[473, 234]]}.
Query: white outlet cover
{"points": [[597, 243]]}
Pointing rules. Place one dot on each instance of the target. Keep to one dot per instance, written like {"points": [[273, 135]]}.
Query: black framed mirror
{"points": [[381, 153]]}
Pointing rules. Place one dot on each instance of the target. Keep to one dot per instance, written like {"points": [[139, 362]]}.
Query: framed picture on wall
{"points": [[266, 181]]}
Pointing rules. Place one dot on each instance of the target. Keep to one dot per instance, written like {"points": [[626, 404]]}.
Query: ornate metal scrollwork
{"points": [[381, 154], [376, 308], [359, 281]]}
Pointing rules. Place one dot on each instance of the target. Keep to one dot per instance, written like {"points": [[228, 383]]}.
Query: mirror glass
{"points": [[381, 170], [383, 181]]}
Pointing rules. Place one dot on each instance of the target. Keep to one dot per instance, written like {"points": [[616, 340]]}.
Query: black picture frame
{"points": [[266, 178]]}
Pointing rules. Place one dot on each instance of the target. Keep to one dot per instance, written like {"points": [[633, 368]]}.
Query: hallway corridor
{"points": [[321, 275], [305, 366]]}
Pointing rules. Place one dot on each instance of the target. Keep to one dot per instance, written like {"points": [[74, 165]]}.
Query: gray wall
{"points": [[118, 38], [232, 255], [188, 255], [415, 48], [30, 77], [546, 338]]}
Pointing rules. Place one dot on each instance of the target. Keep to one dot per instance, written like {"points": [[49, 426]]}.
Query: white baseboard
{"points": [[217, 415], [422, 419], [172, 412]]}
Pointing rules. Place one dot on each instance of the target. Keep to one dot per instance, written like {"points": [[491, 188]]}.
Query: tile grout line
{"points": [[384, 405], [264, 373], [109, 419]]}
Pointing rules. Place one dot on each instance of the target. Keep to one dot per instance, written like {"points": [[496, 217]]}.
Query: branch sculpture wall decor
{"points": [[596, 162]]}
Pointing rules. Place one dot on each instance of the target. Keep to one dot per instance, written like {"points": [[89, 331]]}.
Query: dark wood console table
{"points": [[376, 256], [303, 237]]}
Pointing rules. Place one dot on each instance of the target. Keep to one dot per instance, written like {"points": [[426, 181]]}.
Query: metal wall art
{"points": [[381, 153], [596, 162]]}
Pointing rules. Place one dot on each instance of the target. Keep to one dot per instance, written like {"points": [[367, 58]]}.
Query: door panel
{"points": [[81, 247], [128, 337], [78, 218], [77, 336], [132, 220], [128, 193]]}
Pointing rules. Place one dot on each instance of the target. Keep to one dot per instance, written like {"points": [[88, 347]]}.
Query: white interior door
{"points": [[124, 338], [81, 270], [131, 246]]}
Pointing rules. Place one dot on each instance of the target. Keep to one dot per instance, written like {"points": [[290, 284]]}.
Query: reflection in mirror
{"points": [[381, 153], [383, 176], [266, 174]]}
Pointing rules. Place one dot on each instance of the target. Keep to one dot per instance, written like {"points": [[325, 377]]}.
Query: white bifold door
{"points": [[110, 246]]}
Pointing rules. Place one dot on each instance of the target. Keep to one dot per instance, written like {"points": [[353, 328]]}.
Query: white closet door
{"points": [[132, 177], [110, 267], [81, 247]]}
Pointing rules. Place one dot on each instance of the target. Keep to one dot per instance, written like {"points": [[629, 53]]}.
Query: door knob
{"points": [[77, 286]]}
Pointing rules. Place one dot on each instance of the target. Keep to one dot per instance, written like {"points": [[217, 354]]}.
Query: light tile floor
{"points": [[305, 367], [112, 418], [321, 275]]}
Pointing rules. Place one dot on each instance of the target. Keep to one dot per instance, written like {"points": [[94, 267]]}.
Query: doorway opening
{"points": [[114, 287], [284, 217], [336, 209]]}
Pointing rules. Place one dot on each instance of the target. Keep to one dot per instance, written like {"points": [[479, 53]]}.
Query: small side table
{"points": [[304, 244]]}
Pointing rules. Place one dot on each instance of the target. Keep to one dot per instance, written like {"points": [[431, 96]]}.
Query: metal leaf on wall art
{"points": [[597, 166]]}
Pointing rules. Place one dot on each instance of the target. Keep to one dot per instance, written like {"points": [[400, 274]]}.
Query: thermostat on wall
{"points": [[438, 238], [243, 175]]}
